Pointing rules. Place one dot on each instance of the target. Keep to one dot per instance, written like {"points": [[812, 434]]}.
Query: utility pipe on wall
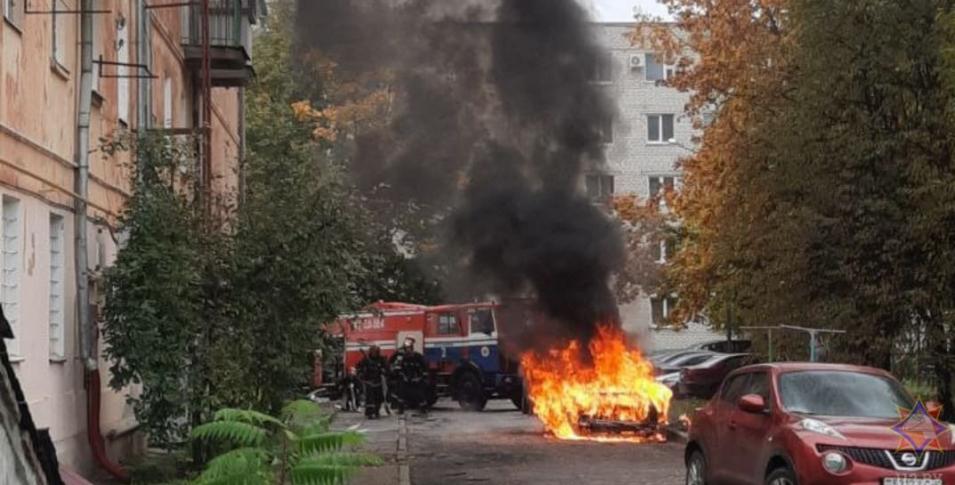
{"points": [[143, 57], [88, 352]]}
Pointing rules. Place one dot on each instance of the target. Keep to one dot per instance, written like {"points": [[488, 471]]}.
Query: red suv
{"points": [[808, 424]]}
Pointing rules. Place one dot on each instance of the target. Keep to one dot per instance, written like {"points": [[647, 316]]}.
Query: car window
{"points": [[842, 393], [758, 384], [676, 356], [737, 361], [733, 388], [696, 359]]}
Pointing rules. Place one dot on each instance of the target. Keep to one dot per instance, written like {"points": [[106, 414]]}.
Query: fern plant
{"points": [[296, 448]]}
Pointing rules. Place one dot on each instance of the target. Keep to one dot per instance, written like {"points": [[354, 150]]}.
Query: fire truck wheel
{"points": [[470, 393]]}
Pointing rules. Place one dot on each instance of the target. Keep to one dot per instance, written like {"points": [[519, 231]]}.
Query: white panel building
{"points": [[644, 142]]}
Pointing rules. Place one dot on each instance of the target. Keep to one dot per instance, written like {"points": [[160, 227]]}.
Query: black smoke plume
{"points": [[495, 118]]}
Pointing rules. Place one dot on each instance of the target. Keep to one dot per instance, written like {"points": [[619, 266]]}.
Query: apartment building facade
{"points": [[145, 77], [644, 141]]}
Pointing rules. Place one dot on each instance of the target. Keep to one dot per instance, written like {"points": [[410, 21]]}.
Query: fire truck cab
{"points": [[459, 342]]}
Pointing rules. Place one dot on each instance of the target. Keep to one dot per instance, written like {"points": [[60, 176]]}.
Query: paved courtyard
{"points": [[503, 446]]}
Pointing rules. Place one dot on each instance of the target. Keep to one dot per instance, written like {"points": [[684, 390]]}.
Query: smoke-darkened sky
{"points": [[499, 123]]}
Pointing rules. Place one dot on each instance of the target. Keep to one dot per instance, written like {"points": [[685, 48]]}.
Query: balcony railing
{"points": [[230, 23], [230, 39]]}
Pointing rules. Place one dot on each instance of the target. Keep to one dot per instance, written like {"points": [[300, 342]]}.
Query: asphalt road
{"points": [[503, 446]]}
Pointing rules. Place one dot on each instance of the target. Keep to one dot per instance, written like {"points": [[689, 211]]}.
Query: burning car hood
{"points": [[873, 432]]}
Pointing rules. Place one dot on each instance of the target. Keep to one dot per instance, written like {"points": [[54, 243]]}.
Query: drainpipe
{"points": [[143, 54], [241, 195], [88, 352]]}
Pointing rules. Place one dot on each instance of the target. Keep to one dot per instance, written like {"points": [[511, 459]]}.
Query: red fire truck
{"points": [[459, 342]]}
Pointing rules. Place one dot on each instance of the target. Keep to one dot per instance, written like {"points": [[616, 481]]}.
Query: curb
{"points": [[404, 468]]}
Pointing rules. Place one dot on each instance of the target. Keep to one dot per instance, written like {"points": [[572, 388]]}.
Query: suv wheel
{"points": [[781, 476], [696, 469], [470, 392]]}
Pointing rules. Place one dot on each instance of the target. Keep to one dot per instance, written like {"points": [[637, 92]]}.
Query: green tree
{"points": [[154, 293], [822, 192], [306, 248]]}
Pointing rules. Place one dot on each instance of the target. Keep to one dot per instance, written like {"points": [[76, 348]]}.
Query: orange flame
{"points": [[618, 385]]}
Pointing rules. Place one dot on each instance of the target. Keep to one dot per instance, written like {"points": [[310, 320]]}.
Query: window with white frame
{"points": [[657, 71], [10, 278], [662, 249], [658, 249], [599, 186], [57, 288], [660, 128], [97, 41], [60, 43], [661, 308], [167, 103], [13, 11], [122, 82], [658, 185]]}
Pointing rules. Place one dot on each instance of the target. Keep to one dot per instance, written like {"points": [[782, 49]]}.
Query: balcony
{"points": [[230, 39]]}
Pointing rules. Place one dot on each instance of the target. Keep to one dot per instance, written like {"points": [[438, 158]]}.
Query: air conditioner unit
{"points": [[636, 61]]}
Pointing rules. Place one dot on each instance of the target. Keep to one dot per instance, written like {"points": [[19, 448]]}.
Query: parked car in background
{"points": [[664, 358], [726, 346], [668, 371], [811, 424], [703, 379], [676, 364]]}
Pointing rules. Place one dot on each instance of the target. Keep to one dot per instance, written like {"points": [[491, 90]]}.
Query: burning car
{"points": [[607, 393]]}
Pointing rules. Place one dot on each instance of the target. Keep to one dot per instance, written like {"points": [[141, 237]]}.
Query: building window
{"points": [[659, 128], [97, 53], [663, 249], [10, 280], [57, 265], [13, 11], [661, 309], [60, 22], [660, 185], [167, 103], [658, 249], [602, 69], [606, 129], [448, 324], [599, 186], [656, 71], [122, 82]]}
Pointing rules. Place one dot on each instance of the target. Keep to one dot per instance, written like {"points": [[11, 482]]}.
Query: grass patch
{"points": [[160, 467]]}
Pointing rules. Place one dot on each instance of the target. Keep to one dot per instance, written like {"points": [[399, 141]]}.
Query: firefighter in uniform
{"points": [[410, 372], [372, 371]]}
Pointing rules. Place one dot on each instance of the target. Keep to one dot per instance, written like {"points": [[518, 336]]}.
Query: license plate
{"points": [[911, 481]]}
